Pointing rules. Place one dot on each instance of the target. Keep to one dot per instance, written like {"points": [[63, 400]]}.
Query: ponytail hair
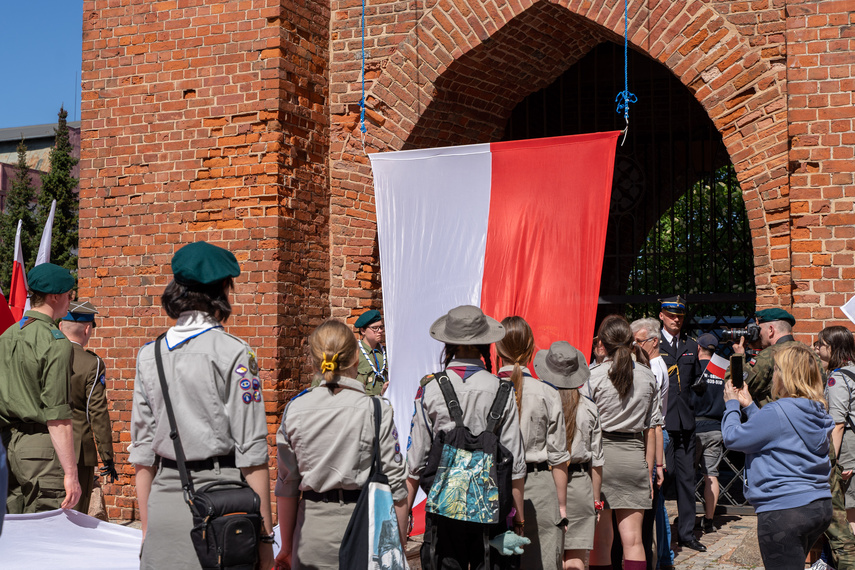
{"points": [[570, 406], [516, 348], [616, 337], [333, 349]]}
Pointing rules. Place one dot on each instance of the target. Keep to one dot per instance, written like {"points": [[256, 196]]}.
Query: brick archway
{"points": [[457, 74]]}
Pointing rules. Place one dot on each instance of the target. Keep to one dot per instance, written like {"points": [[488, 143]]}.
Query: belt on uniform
{"points": [[28, 427], [535, 467], [578, 467], [202, 464], [333, 496], [706, 419], [622, 435]]}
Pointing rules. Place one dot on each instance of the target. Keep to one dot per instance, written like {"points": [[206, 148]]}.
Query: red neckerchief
{"points": [[465, 371]]}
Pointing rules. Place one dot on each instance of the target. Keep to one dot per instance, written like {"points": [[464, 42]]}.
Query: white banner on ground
{"points": [[69, 540]]}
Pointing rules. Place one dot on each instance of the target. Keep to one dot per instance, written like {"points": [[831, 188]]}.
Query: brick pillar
{"points": [[820, 64], [203, 121]]}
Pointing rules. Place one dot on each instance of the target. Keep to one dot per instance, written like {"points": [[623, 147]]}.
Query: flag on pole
{"points": [[516, 228], [45, 243], [18, 301]]}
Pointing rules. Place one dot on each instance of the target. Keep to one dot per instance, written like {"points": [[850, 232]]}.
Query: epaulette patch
{"points": [[57, 334], [427, 379]]}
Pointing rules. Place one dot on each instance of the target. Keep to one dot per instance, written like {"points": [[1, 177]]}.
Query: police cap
{"points": [[81, 312]]}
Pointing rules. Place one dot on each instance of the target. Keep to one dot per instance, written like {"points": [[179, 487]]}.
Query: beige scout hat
{"points": [[563, 365], [467, 325]]}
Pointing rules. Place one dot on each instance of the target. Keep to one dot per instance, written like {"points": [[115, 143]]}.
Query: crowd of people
{"points": [[529, 459]]}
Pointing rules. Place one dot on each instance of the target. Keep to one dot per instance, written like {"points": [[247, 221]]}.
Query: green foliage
{"points": [[19, 206], [701, 245], [58, 184]]}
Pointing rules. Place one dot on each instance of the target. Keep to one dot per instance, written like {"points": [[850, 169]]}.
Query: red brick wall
{"points": [[450, 73], [204, 120], [821, 76], [237, 122]]}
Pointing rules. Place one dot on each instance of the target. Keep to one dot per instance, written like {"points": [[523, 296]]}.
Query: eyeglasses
{"points": [[377, 328], [645, 340]]}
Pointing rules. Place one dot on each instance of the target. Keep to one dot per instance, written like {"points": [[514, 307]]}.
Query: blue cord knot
{"points": [[623, 99]]}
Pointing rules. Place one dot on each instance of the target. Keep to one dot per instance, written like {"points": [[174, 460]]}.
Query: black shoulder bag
{"points": [[226, 514]]}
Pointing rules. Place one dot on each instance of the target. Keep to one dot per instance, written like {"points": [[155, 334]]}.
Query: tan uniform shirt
{"points": [[216, 397], [476, 396], [326, 440], [588, 438], [840, 394], [639, 410], [541, 421], [90, 415]]}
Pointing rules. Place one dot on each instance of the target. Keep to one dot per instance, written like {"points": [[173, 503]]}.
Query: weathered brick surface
{"points": [[238, 122], [204, 120], [821, 162]]}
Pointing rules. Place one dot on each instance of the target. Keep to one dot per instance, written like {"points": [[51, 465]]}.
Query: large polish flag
{"points": [[18, 300], [516, 228]]}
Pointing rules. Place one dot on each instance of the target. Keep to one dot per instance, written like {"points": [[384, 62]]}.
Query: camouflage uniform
{"points": [[759, 379]]}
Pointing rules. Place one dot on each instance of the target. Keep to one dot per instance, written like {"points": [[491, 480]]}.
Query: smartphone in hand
{"points": [[737, 378]]}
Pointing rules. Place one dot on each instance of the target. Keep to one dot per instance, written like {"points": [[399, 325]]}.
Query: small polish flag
{"points": [[717, 366]]}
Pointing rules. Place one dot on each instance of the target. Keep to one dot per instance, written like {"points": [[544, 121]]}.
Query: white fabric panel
{"points": [[69, 540], [432, 210]]}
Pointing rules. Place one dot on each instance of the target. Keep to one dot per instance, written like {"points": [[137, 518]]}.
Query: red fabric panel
{"points": [[17, 291], [549, 208], [6, 318]]}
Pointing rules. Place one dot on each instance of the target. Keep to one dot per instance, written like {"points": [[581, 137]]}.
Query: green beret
{"points": [[367, 318], [201, 263], [769, 315], [49, 278]]}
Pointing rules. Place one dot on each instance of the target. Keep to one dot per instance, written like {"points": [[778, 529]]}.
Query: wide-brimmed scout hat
{"points": [[202, 263], [563, 365], [466, 325]]}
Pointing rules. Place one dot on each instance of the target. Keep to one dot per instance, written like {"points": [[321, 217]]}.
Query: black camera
{"points": [[750, 332]]}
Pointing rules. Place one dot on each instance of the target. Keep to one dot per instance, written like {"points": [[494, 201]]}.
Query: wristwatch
{"points": [[268, 538]]}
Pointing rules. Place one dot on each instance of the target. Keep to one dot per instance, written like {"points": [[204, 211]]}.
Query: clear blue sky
{"points": [[41, 52]]}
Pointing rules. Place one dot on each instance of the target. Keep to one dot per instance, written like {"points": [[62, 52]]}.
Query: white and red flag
{"points": [[18, 301], [516, 228], [717, 366]]}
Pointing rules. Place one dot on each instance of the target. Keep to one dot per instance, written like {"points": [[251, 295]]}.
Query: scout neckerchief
{"points": [[504, 375], [465, 371], [379, 372]]}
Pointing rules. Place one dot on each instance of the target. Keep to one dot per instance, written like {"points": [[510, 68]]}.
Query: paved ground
{"points": [[732, 547]]}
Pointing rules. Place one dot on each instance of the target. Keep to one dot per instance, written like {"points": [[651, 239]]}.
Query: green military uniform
{"points": [[90, 416], [365, 370], [760, 368], [35, 366]]}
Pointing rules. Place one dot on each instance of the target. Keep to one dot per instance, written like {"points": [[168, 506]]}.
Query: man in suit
{"points": [[680, 353]]}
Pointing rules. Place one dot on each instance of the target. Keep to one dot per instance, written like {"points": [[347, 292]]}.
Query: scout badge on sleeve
{"points": [[371, 540]]}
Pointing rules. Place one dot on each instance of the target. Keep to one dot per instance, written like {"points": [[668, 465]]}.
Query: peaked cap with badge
{"points": [[675, 305], [81, 312]]}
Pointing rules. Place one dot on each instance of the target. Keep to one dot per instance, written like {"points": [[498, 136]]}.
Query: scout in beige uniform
{"points": [[219, 410], [626, 395], [325, 444], [545, 443], [88, 401], [467, 333], [35, 415], [564, 367]]}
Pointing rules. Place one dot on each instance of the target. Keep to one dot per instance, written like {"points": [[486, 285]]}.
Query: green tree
{"points": [[19, 206], [58, 184]]}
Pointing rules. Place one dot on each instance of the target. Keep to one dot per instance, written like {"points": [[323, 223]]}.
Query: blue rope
{"points": [[362, 101], [625, 97]]}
